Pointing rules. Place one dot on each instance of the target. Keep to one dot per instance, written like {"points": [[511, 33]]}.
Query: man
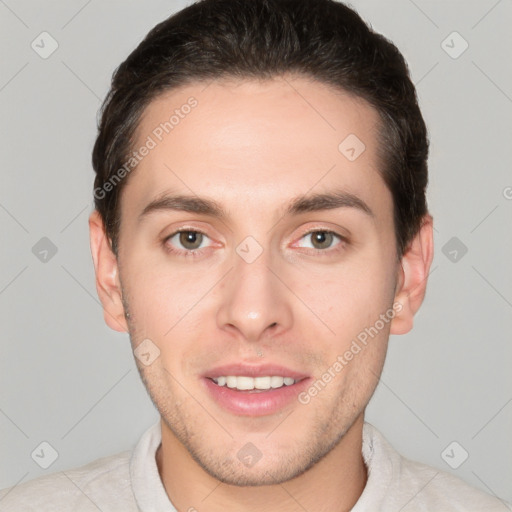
{"points": [[261, 168]]}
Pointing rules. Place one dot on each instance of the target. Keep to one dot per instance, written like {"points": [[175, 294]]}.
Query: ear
{"points": [[412, 277], [108, 285]]}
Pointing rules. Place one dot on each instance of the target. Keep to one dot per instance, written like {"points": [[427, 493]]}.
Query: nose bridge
{"points": [[253, 298]]}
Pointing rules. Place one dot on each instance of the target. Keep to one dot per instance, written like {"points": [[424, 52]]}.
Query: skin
{"points": [[253, 146]]}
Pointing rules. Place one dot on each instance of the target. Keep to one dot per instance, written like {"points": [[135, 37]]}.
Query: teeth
{"points": [[244, 383], [276, 382], [231, 382], [262, 382]]}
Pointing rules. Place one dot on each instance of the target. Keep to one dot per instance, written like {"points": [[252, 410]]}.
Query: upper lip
{"points": [[262, 370]]}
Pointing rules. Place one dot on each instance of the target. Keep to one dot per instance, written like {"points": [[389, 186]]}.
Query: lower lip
{"points": [[247, 403]]}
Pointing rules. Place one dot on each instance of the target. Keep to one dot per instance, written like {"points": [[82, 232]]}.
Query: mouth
{"points": [[254, 391], [244, 383]]}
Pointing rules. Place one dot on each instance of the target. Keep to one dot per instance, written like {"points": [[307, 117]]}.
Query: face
{"points": [[251, 239]]}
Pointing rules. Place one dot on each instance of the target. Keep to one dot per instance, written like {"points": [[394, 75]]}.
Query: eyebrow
{"points": [[302, 204]]}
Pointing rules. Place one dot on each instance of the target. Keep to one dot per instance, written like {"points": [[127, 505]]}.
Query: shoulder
{"points": [[397, 483], [90, 487], [427, 488]]}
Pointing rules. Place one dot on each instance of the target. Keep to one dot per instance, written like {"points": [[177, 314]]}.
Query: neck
{"points": [[335, 483]]}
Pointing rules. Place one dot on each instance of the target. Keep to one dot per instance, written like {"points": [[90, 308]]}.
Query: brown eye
{"points": [[190, 239], [321, 239], [186, 241]]}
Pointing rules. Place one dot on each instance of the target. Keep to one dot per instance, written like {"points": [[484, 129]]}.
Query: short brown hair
{"points": [[322, 39]]}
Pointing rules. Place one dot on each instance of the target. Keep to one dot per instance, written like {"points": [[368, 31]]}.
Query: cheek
{"points": [[348, 298], [171, 308], [153, 303]]}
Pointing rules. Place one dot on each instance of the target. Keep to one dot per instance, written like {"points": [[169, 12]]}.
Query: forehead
{"points": [[258, 140]]}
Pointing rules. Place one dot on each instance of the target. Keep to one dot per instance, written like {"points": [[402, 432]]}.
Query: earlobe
{"points": [[107, 278], [412, 277]]}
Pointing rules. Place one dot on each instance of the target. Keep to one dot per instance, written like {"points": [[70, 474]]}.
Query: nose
{"points": [[254, 303]]}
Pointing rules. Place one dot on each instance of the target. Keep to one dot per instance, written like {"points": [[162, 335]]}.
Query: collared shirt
{"points": [[130, 482]]}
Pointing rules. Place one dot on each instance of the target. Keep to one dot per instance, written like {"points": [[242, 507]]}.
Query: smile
{"points": [[245, 383]]}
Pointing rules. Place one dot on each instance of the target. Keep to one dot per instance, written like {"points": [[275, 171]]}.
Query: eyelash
{"points": [[324, 252], [183, 252], [194, 253]]}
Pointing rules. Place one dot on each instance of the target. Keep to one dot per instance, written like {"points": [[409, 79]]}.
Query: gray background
{"points": [[66, 379]]}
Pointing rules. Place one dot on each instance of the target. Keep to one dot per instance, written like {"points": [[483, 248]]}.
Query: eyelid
{"points": [[343, 240], [324, 230], [185, 228], [319, 229], [185, 252]]}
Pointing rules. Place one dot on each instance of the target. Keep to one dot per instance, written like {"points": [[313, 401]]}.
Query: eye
{"points": [[320, 239], [187, 240]]}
